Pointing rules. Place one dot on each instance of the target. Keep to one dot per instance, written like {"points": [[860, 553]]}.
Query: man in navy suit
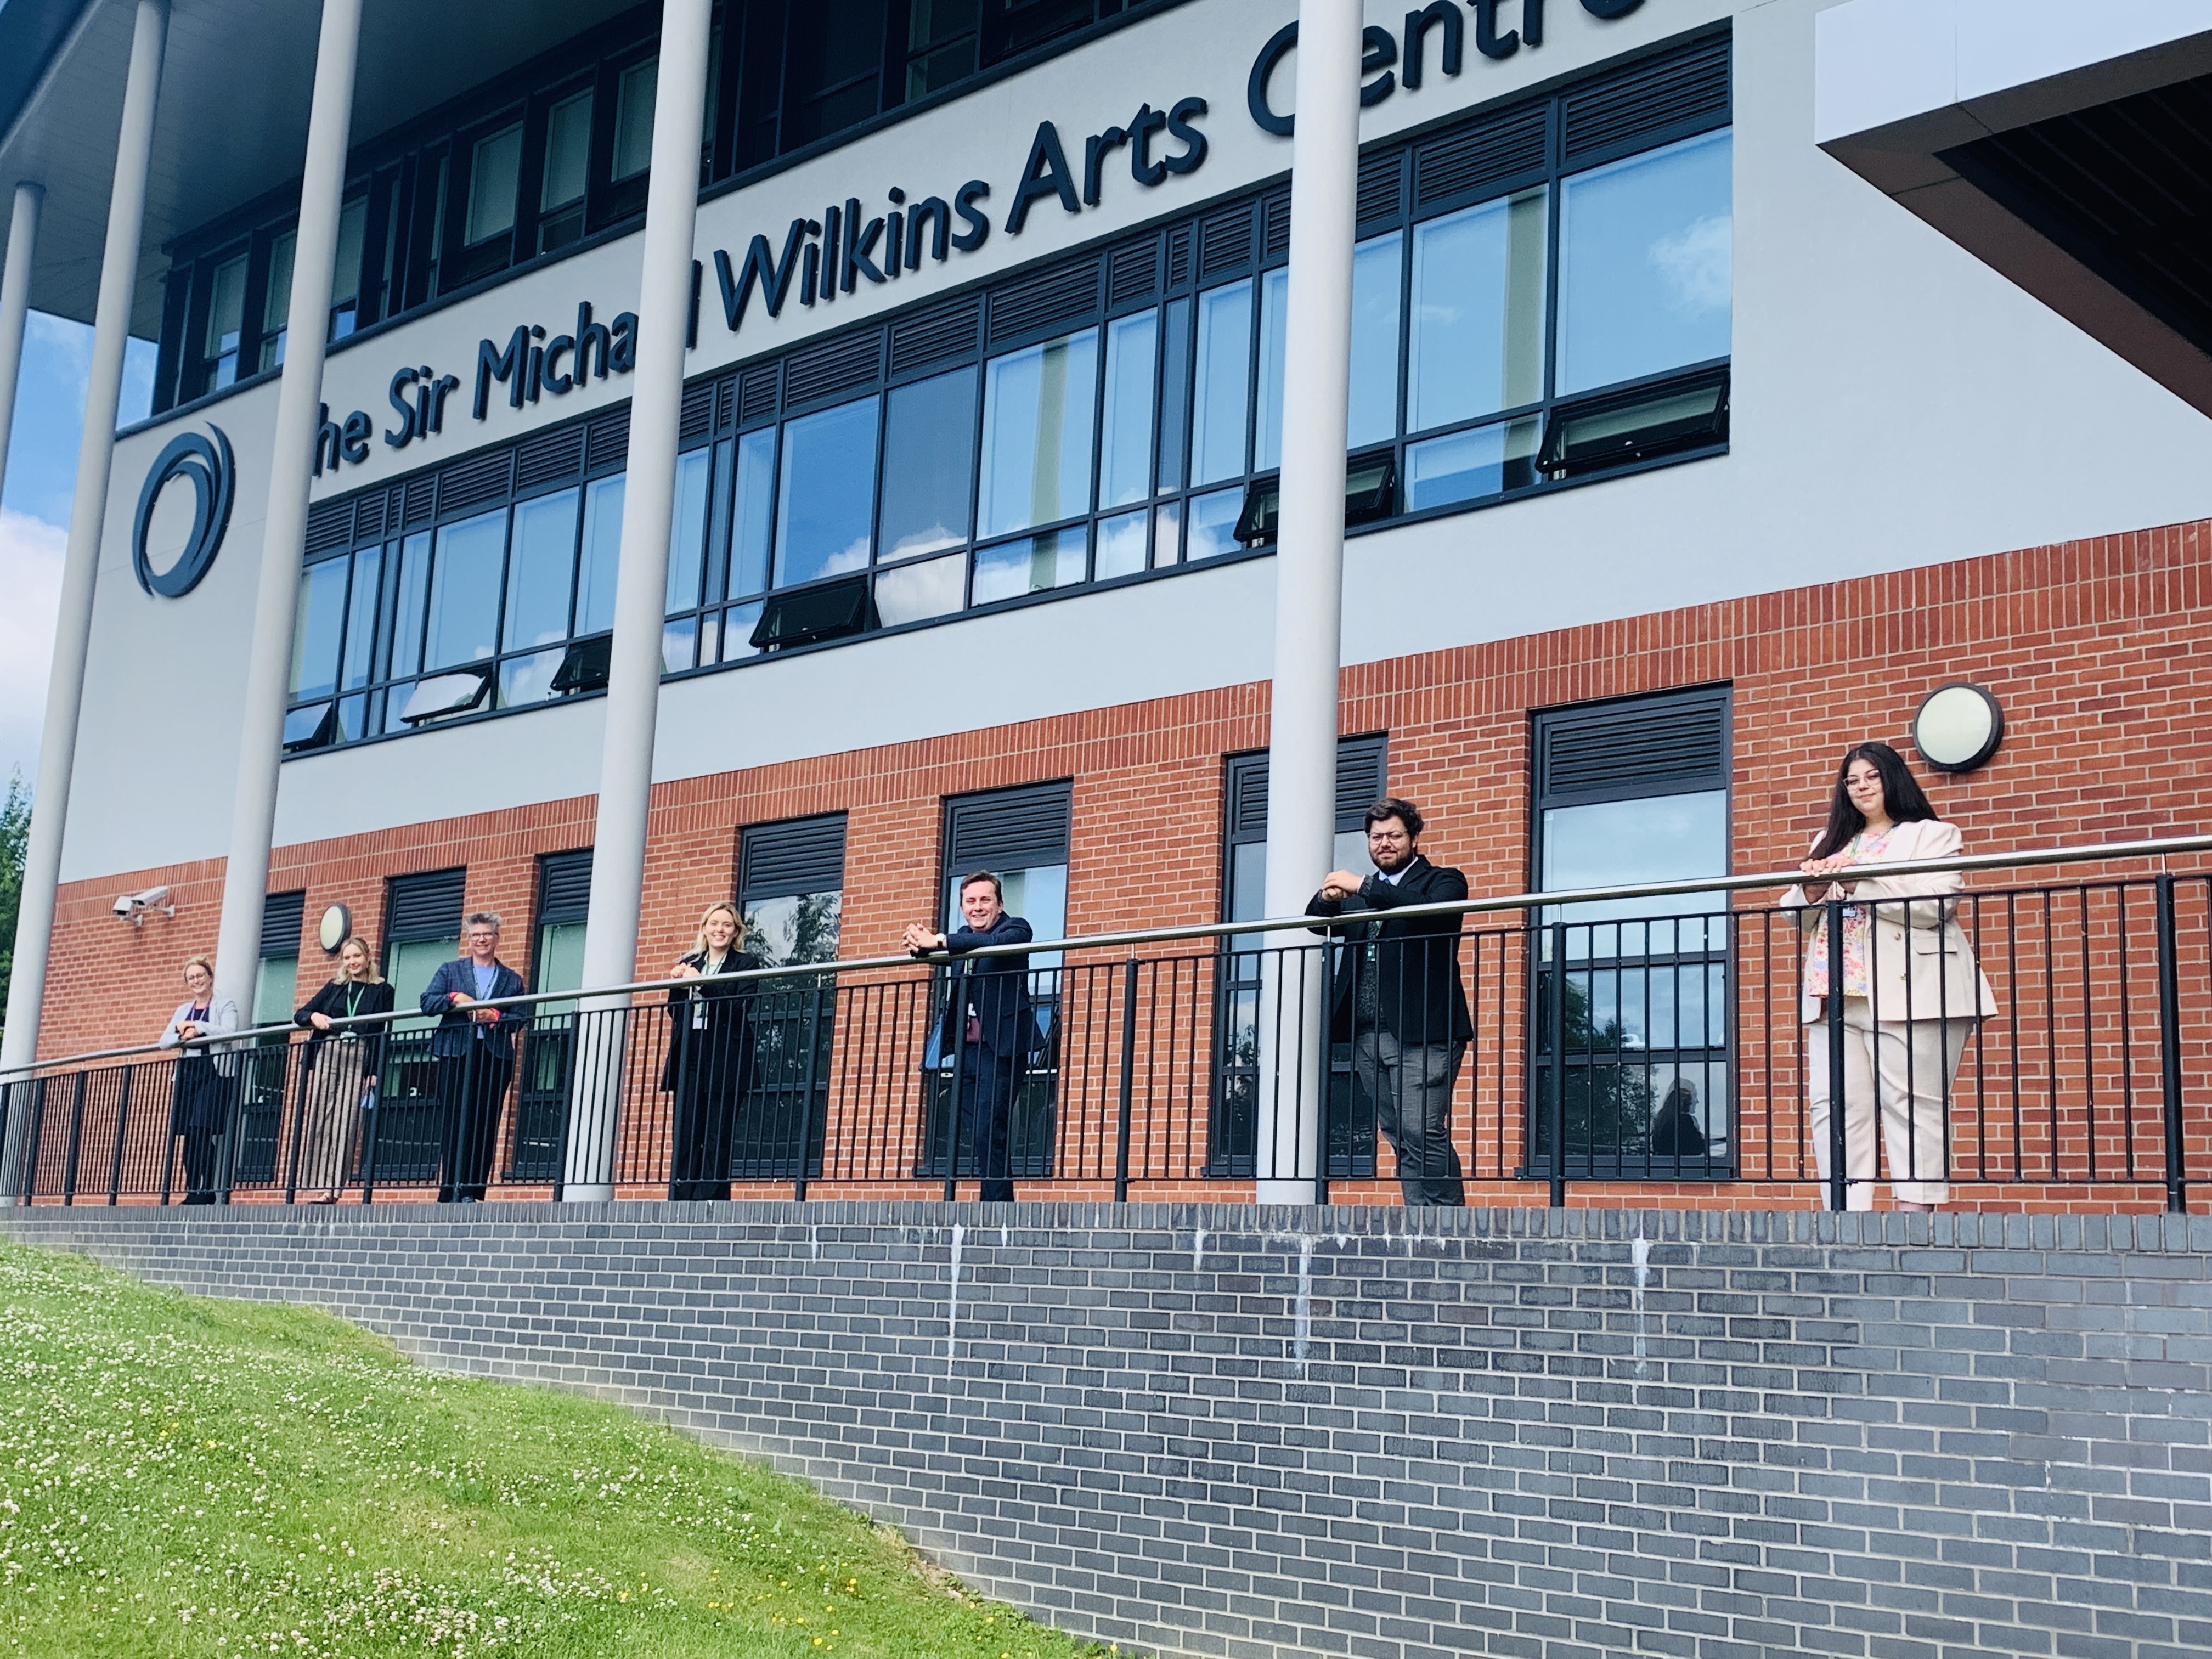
{"points": [[474, 1050], [988, 1021]]}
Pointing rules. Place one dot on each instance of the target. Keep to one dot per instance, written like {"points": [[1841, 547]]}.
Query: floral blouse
{"points": [[1857, 926]]}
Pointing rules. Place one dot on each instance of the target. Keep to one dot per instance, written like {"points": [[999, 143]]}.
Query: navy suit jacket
{"points": [[456, 1030], [998, 987]]}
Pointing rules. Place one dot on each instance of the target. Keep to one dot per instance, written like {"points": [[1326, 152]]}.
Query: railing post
{"points": [[1129, 1080], [1558, 1113], [76, 1139], [233, 1113], [1832, 1011], [302, 1106], [806, 1095], [956, 1009], [121, 1122], [372, 1118], [2169, 1049]]}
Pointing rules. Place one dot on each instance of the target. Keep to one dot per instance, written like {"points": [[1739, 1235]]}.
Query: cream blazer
{"points": [[1919, 963]]}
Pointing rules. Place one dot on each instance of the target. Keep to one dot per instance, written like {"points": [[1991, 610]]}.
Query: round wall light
{"points": [[334, 929], [1957, 727]]}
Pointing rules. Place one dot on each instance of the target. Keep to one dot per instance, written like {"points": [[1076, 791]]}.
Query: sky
{"points": [[34, 514]]}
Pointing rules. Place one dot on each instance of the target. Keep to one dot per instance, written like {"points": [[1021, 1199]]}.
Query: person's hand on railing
{"points": [[1339, 884], [921, 941], [320, 1022]]}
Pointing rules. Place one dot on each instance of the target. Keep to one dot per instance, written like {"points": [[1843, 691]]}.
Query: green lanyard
{"points": [[353, 999]]}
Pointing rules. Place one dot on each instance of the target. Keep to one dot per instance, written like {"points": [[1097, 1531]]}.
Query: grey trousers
{"points": [[1412, 1085]]}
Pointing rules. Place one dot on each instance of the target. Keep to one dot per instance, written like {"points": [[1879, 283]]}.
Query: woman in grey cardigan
{"points": [[200, 1109]]}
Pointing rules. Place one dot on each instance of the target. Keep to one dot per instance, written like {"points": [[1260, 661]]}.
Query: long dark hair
{"points": [[1902, 797]]}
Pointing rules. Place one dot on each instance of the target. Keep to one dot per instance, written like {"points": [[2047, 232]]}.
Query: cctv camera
{"points": [[134, 905]]}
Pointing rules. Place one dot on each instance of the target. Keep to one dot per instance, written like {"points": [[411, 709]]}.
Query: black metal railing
{"points": [[2045, 1043]]}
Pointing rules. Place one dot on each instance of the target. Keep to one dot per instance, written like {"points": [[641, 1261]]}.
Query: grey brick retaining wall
{"points": [[1221, 1430]]}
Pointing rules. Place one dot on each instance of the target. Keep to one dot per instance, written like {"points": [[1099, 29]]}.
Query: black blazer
{"points": [[718, 1052], [331, 1001], [997, 987], [1418, 994]]}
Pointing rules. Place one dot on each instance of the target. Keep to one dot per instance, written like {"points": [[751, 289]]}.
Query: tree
{"points": [[15, 838]]}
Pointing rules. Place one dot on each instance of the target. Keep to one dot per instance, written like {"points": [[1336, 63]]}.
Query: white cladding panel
{"points": [[1896, 404]]}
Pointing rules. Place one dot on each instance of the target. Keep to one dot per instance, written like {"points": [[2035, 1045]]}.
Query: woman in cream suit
{"points": [[1912, 988]]}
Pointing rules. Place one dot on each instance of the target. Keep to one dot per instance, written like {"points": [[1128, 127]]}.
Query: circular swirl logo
{"points": [[208, 468]]}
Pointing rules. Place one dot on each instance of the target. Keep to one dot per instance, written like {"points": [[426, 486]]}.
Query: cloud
{"points": [[1694, 265], [31, 577]]}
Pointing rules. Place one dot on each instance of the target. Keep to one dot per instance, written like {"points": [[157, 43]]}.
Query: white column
{"points": [[634, 668], [15, 304], [299, 412], [118, 279], [1308, 587]]}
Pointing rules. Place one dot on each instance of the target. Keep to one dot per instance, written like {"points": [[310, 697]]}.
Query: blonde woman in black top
{"points": [[710, 1053], [339, 1069]]}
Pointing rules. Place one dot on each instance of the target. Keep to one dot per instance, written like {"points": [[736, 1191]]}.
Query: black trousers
{"points": [[988, 1082], [470, 1090], [699, 1168], [199, 1114]]}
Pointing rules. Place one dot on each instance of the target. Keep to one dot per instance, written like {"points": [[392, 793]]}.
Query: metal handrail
{"points": [[615, 995]]}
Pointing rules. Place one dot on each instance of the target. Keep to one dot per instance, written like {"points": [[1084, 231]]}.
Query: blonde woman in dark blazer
{"points": [[339, 1068], [200, 1098], [1913, 991]]}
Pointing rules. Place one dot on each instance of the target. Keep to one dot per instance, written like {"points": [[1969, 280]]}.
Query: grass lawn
{"points": [[182, 1476]]}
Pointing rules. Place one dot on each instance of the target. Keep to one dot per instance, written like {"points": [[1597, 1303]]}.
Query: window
{"points": [[1108, 416], [791, 880], [556, 963], [827, 494], [1631, 997], [421, 929], [225, 321], [1231, 1124], [276, 985], [439, 199], [276, 299], [262, 1075], [566, 170], [636, 88], [1022, 836], [495, 175], [1644, 270]]}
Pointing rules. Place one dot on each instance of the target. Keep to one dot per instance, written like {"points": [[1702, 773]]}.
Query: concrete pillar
{"points": [[1309, 589], [291, 465], [634, 670], [118, 279], [15, 305]]}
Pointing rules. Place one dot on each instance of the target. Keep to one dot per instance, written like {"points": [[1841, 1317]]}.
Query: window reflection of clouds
{"points": [[827, 493], [1645, 250]]}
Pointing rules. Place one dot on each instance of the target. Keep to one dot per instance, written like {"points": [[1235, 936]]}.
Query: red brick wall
{"points": [[2098, 650]]}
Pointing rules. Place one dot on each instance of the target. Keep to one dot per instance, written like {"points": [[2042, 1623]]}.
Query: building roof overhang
{"points": [[2070, 148], [232, 122]]}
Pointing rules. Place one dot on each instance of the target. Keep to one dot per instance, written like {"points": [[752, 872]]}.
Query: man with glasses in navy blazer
{"points": [[474, 1047]]}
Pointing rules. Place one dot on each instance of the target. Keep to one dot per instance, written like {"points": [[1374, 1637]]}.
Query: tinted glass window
{"points": [[929, 451], [494, 173], [1645, 263], [545, 560], [464, 625], [1037, 413], [568, 150], [827, 494], [1222, 383], [1477, 345], [1125, 452], [753, 516], [316, 628], [602, 556]]}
